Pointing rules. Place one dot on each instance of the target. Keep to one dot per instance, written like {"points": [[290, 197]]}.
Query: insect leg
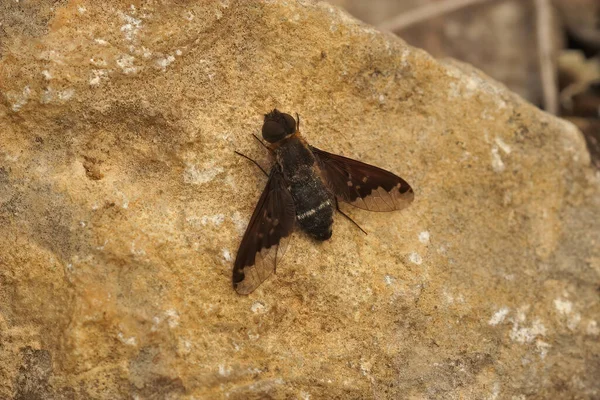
{"points": [[337, 206], [255, 163]]}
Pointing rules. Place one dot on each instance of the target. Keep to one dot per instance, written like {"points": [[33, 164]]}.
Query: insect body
{"points": [[304, 187], [313, 201]]}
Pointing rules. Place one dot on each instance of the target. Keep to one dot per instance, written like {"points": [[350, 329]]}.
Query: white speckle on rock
{"points": [[172, 318], [527, 334], [130, 341], [521, 313], [47, 96], [542, 348], [448, 298], [498, 316], [415, 258], [389, 279], [226, 254], [131, 27], [178, 52], [189, 16], [101, 41], [98, 61], [66, 94], [196, 176], [563, 306], [424, 237], [52, 55], [81, 9], [185, 346], [503, 146], [136, 251], [124, 199], [146, 52], [20, 99], [163, 63], [224, 371], [495, 391], [573, 321], [497, 163], [592, 328], [47, 75], [239, 222], [304, 395], [258, 307], [97, 76], [216, 219], [125, 62], [155, 322]]}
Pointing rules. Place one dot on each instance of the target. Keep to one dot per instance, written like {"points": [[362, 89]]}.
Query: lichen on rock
{"points": [[122, 205]]}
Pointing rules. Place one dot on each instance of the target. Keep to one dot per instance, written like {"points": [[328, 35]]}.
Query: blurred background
{"points": [[548, 51]]}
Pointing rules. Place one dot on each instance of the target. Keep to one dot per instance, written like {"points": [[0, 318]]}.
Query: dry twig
{"points": [[546, 58]]}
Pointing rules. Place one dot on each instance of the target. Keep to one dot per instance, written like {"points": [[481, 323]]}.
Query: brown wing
{"points": [[266, 237], [362, 185]]}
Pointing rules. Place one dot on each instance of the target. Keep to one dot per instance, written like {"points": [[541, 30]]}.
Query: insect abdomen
{"points": [[314, 207]]}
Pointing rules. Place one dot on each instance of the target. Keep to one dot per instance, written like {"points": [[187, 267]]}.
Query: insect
{"points": [[303, 189]]}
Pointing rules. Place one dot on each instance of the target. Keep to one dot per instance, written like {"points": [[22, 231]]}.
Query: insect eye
{"points": [[273, 131], [290, 122]]}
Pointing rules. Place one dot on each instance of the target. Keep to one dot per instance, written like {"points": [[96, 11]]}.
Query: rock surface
{"points": [[497, 37], [122, 206]]}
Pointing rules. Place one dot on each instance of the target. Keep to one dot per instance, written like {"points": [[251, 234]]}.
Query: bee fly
{"points": [[303, 189]]}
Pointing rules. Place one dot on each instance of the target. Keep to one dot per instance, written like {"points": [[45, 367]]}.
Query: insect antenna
{"points": [[248, 158], [337, 206], [298, 123], [261, 142]]}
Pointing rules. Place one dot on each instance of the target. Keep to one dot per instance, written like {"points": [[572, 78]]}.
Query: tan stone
{"points": [[122, 205]]}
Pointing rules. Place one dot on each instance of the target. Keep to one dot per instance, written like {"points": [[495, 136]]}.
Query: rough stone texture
{"points": [[498, 37], [122, 206]]}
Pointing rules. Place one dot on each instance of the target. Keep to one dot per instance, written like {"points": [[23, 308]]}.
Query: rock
{"points": [[498, 37], [122, 205]]}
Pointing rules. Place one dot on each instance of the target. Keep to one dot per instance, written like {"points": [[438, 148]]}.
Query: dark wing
{"points": [[362, 185], [266, 237]]}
